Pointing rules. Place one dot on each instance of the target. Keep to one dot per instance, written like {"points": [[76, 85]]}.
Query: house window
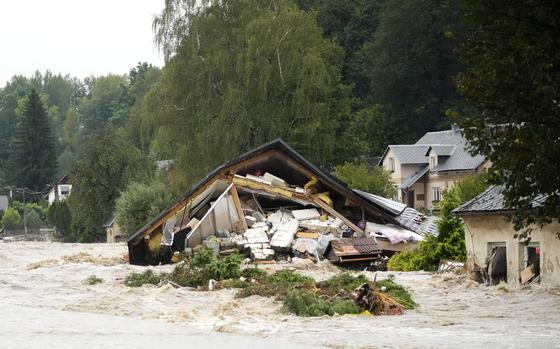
{"points": [[420, 197], [391, 164], [436, 193], [64, 189]]}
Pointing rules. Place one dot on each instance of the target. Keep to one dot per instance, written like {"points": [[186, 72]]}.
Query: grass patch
{"points": [[93, 280]]}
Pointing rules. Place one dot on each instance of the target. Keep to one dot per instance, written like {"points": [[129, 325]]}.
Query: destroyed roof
{"points": [[405, 216], [490, 201], [278, 145]]}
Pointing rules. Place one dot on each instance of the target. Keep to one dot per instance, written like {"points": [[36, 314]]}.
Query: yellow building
{"points": [[489, 235]]}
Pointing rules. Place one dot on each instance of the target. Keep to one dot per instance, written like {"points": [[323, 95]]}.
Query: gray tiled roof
{"points": [[442, 150], [449, 145], [490, 200], [442, 137], [408, 154], [459, 158], [409, 182]]}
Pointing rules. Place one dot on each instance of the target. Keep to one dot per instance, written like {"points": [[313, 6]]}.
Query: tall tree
{"points": [[106, 102], [512, 53], [411, 67], [33, 157], [245, 73], [107, 163]]}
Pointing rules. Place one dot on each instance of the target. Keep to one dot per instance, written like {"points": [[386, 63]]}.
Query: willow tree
{"points": [[246, 72]]}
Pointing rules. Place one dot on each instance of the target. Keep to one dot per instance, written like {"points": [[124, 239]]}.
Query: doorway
{"points": [[410, 198], [530, 263], [496, 263]]}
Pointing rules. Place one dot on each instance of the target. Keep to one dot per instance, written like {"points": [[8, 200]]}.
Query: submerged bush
{"points": [[306, 303], [198, 271], [93, 280], [139, 279], [397, 292]]}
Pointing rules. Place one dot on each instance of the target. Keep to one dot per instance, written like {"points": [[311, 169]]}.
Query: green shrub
{"points": [[371, 179], [60, 217], [306, 303], [33, 220], [200, 269], [344, 282], [139, 203], [254, 273], [93, 280], [397, 292], [40, 210], [11, 219], [450, 243], [139, 279]]}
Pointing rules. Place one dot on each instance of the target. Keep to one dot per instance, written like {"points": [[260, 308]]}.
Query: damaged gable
{"points": [[260, 203]]}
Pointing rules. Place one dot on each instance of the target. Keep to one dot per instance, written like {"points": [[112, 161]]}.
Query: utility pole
{"points": [[24, 213]]}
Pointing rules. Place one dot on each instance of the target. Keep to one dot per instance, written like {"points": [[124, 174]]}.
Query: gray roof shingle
{"points": [[450, 146], [454, 159], [491, 200], [409, 154]]}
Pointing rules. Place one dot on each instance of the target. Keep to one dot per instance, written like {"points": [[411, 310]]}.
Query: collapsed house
{"points": [[271, 203]]}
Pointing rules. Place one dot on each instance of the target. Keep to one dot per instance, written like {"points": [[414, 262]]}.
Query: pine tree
{"points": [[33, 157]]}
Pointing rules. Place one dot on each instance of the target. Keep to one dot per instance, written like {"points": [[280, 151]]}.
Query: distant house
{"points": [[114, 233], [60, 190], [492, 246], [421, 172]]}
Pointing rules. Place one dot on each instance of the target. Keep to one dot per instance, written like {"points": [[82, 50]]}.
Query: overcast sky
{"points": [[76, 37]]}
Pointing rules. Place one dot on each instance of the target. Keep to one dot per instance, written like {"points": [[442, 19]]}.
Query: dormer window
{"points": [[433, 162], [391, 164]]}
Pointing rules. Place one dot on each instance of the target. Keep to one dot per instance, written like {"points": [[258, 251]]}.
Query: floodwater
{"points": [[45, 303]]}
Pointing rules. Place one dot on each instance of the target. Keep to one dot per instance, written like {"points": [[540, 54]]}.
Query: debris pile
{"points": [[273, 205]]}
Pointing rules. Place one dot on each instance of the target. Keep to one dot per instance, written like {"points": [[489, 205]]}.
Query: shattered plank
{"points": [[238, 208]]}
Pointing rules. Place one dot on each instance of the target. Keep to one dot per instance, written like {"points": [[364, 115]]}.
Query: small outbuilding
{"points": [[113, 230], [493, 248]]}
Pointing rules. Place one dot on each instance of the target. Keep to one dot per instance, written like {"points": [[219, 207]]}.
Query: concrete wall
{"points": [[481, 230]]}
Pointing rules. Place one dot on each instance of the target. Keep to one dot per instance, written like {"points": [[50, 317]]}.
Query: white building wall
{"points": [[480, 230]]}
